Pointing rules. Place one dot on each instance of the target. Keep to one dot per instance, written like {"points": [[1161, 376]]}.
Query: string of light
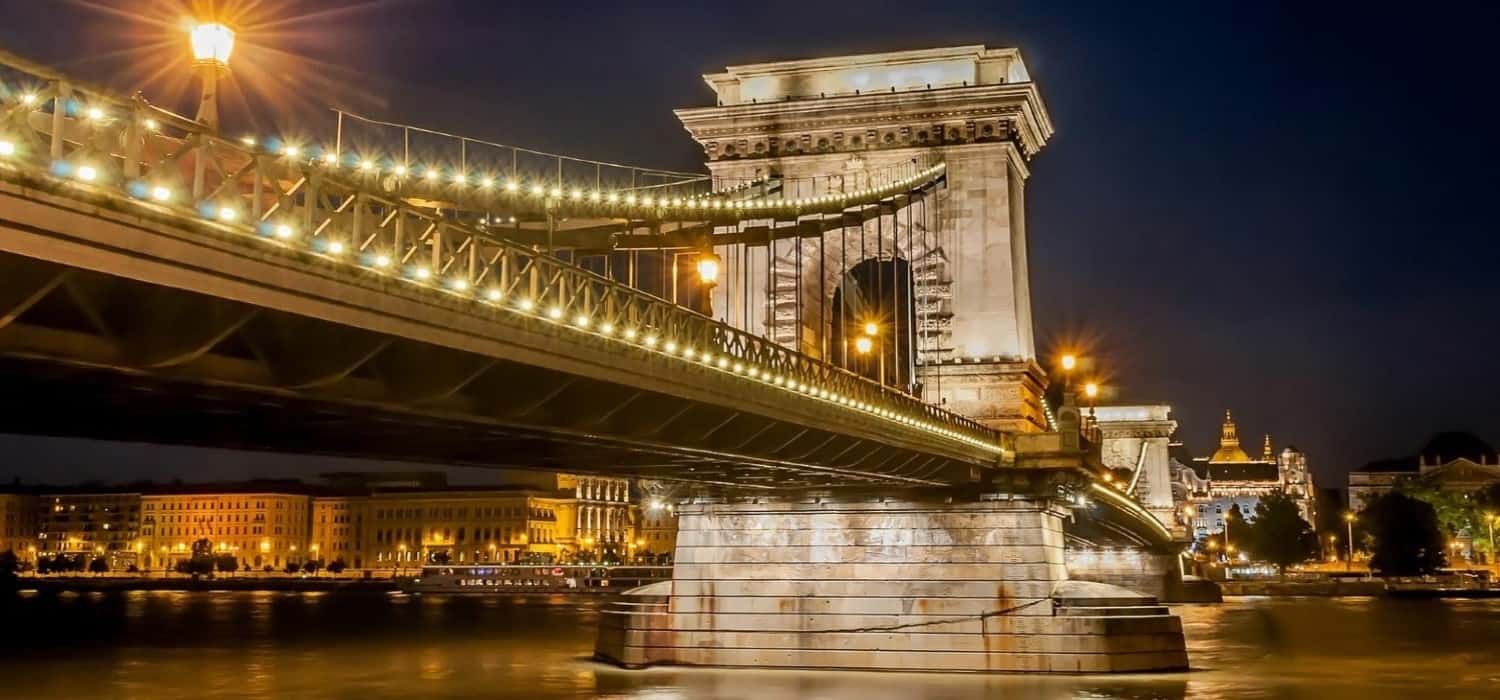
{"points": [[228, 215]]}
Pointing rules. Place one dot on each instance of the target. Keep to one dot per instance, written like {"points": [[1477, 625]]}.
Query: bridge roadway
{"points": [[160, 283]]}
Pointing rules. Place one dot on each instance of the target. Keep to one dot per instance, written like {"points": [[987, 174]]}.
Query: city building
{"points": [[338, 524], [1454, 461], [374, 520], [18, 525], [603, 513], [407, 527], [92, 524], [1209, 487], [262, 524]]}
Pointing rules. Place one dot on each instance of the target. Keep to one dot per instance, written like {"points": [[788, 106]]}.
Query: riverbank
{"points": [[1334, 588], [257, 583]]}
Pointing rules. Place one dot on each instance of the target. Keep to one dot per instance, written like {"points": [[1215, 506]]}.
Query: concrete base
{"points": [[885, 586]]}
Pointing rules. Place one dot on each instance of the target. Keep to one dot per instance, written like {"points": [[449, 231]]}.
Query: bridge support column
{"points": [[921, 583]]}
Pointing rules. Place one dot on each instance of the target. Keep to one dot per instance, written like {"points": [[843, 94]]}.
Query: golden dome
{"points": [[1229, 444]]}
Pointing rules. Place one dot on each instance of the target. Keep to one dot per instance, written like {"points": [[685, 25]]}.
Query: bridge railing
{"points": [[72, 136]]}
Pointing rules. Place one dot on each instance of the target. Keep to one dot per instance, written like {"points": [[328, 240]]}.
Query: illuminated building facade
{"points": [[1209, 487], [1452, 461], [601, 513], [410, 527], [90, 524], [18, 525], [338, 529], [259, 527]]}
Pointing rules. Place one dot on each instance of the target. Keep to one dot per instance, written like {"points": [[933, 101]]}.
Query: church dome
{"points": [[1446, 447], [1229, 443]]}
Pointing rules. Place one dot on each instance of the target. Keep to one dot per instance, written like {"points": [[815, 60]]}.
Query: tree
{"points": [[1278, 534], [292, 567], [227, 563], [337, 566], [10, 564], [98, 566], [311, 566], [1407, 538]]}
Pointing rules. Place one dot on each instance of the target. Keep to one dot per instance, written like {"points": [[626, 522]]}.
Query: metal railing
{"points": [[75, 137]]}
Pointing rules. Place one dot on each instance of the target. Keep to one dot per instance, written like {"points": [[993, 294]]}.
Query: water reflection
{"points": [[181, 645]]}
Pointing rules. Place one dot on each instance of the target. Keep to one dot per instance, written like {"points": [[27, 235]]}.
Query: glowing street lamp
{"points": [[212, 43], [708, 269], [863, 345], [1349, 522], [872, 328]]}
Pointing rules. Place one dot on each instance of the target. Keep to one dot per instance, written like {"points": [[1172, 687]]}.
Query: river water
{"points": [[162, 645]]}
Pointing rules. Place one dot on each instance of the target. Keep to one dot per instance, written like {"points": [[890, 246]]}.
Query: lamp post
{"points": [[708, 277], [1491, 517], [1068, 362], [1091, 390], [1349, 523], [212, 43], [865, 343]]}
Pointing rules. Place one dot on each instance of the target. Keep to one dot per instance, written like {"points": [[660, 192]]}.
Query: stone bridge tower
{"points": [[839, 124]]}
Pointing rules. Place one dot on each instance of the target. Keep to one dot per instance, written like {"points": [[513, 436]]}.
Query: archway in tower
{"points": [[875, 295]]}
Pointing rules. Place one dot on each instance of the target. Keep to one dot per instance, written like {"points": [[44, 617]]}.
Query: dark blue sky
{"points": [[1284, 209]]}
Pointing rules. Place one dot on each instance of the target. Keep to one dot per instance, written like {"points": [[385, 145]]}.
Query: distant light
{"points": [[247, 140], [382, 260], [431, 174], [152, 124], [400, 171], [290, 151], [335, 247], [283, 231], [459, 285], [227, 214], [554, 312], [872, 328], [1069, 361], [527, 304], [87, 173], [7, 148], [422, 273], [330, 158], [95, 113], [28, 98], [366, 165], [863, 345], [161, 194], [212, 42], [492, 295], [1091, 390]]}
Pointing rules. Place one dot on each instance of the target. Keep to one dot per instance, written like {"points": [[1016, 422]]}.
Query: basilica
{"points": [[1208, 487]]}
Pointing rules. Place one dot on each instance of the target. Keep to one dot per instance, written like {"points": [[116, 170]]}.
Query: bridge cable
{"points": [[943, 621]]}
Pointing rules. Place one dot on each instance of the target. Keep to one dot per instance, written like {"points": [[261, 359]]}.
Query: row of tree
{"points": [[1406, 531]]}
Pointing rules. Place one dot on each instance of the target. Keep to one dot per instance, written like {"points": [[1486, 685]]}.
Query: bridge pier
{"points": [[921, 582]]}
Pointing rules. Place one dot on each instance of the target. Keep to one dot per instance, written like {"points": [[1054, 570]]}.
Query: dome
{"points": [[1229, 443], [1446, 447]]}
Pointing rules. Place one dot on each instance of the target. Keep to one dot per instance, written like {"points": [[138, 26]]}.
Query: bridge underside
{"points": [[115, 327]]}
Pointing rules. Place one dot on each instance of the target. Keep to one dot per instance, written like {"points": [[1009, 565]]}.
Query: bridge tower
{"points": [[963, 333]]}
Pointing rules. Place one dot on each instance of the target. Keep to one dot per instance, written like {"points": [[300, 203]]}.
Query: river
{"points": [[164, 645]]}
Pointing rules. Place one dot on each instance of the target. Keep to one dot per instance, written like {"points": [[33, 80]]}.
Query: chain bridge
{"points": [[827, 342]]}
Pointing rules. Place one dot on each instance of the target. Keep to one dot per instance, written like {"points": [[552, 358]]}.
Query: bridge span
{"points": [[161, 282]]}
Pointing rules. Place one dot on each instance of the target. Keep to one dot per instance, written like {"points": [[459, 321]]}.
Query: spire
{"points": [[1265, 453], [1228, 437]]}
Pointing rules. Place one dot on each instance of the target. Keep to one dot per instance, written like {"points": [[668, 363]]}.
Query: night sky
{"points": [[1283, 210]]}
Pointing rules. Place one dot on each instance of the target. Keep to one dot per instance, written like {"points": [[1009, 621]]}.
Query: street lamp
{"points": [[1068, 362], [212, 43], [708, 269], [1091, 390], [863, 345], [1349, 523]]}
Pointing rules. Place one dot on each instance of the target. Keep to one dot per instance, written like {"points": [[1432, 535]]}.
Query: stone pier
{"points": [[925, 582]]}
